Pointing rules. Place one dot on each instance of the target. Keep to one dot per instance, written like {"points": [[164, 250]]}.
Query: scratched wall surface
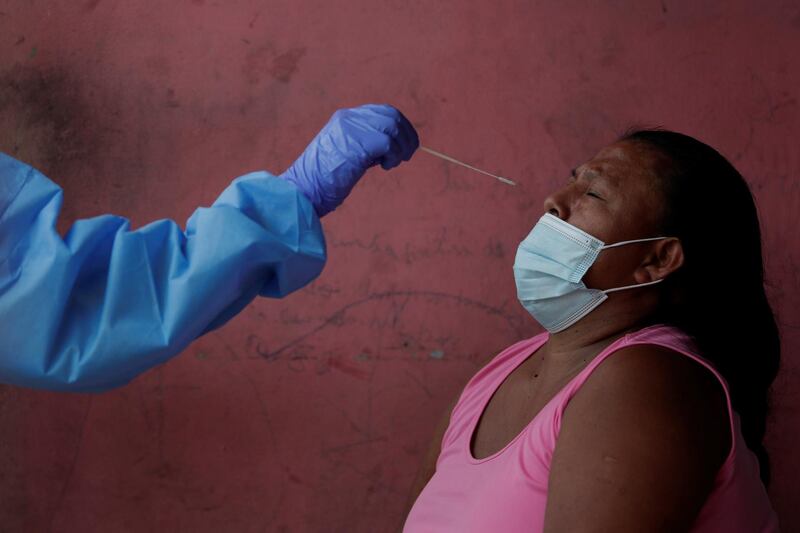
{"points": [[312, 413]]}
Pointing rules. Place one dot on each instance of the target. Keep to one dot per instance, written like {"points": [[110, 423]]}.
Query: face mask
{"points": [[548, 269]]}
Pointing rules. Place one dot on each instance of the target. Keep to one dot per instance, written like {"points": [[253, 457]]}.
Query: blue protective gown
{"points": [[92, 310]]}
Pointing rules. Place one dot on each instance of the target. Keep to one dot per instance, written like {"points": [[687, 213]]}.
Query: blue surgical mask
{"points": [[550, 263]]}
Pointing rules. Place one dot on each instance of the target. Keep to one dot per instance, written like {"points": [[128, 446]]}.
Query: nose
{"points": [[558, 203]]}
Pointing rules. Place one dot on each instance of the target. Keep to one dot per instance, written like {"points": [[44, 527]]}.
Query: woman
{"points": [[643, 407]]}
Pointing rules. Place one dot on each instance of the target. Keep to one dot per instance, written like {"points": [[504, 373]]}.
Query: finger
{"points": [[406, 134], [393, 157], [410, 138], [380, 148], [384, 134], [374, 131], [383, 109], [397, 126], [375, 145], [361, 120]]}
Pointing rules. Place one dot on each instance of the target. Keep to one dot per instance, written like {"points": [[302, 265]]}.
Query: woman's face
{"points": [[614, 197]]}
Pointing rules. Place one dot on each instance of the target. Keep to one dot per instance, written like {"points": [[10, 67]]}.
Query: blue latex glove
{"points": [[352, 141], [98, 307]]}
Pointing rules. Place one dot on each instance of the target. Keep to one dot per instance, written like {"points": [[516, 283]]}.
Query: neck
{"points": [[598, 329]]}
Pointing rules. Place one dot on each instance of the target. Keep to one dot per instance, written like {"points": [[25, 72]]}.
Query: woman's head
{"points": [[661, 183], [613, 198]]}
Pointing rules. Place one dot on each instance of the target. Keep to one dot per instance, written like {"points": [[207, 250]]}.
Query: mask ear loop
{"points": [[615, 289], [622, 243]]}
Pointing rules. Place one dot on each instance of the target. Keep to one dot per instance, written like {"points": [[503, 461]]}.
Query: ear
{"points": [[665, 257]]}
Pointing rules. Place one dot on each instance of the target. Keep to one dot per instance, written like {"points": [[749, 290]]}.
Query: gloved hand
{"points": [[352, 141]]}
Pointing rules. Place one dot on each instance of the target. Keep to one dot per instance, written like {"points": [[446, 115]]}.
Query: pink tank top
{"points": [[507, 491]]}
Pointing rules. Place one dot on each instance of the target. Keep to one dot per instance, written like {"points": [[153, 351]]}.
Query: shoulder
{"points": [[649, 372], [657, 394]]}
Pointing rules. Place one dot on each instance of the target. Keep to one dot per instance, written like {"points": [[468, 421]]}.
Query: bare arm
{"points": [[639, 447]]}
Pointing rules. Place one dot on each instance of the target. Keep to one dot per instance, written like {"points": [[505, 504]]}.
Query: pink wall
{"points": [[311, 413]]}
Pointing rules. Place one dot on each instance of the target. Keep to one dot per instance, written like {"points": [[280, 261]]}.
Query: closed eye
{"points": [[594, 194]]}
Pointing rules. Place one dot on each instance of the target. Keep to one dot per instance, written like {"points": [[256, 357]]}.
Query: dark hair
{"points": [[717, 296]]}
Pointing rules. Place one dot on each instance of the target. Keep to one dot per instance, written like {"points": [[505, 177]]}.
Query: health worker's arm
{"points": [[92, 310]]}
